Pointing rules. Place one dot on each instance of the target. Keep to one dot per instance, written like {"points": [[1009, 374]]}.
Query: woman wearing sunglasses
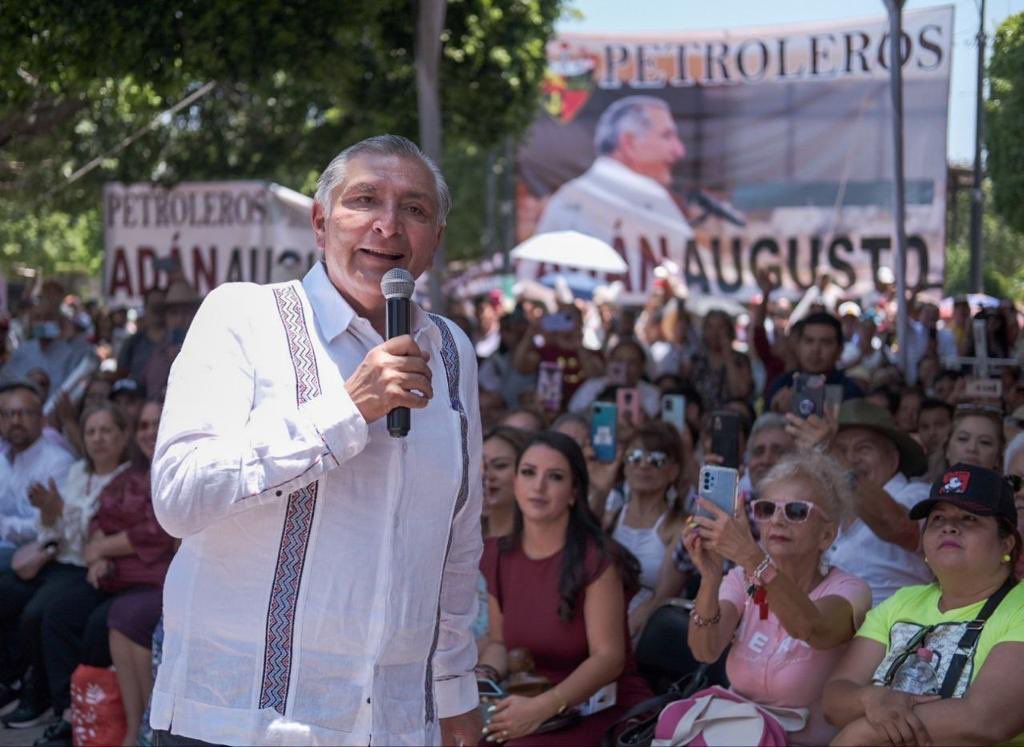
{"points": [[940, 663], [653, 511], [787, 614]]}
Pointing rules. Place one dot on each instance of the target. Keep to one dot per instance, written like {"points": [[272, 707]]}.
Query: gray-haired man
{"points": [[326, 583], [624, 198]]}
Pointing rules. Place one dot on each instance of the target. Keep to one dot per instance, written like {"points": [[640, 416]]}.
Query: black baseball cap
{"points": [[976, 490]]}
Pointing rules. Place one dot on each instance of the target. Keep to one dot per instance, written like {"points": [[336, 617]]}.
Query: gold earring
{"points": [[1006, 558]]}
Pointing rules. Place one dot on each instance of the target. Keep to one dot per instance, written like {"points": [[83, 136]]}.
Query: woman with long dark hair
{"points": [[558, 586]]}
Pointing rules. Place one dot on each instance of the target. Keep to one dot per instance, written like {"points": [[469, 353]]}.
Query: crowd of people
{"points": [[890, 511], [82, 556]]}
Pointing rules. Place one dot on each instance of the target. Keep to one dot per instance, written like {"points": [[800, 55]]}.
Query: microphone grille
{"points": [[397, 283]]}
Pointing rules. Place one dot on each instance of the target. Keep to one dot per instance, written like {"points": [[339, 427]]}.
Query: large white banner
{"points": [[728, 151], [216, 232]]}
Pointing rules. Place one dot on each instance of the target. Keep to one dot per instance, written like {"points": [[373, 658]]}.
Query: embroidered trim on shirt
{"points": [[284, 596], [298, 520], [307, 376], [450, 358]]}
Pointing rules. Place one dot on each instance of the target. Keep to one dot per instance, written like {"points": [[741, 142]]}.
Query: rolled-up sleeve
{"points": [[215, 454], [456, 654]]}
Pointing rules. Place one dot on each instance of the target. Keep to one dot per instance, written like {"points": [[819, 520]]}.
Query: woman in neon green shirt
{"points": [[971, 543]]}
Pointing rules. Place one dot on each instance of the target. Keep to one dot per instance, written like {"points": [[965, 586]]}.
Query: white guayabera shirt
{"points": [[325, 588]]}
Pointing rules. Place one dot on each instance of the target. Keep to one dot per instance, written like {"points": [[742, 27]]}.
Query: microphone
{"points": [[397, 286]]}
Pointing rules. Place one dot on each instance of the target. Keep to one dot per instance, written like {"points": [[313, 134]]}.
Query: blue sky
{"points": [[667, 15]]}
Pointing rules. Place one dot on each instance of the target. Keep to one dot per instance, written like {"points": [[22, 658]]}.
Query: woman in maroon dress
{"points": [[558, 586]]}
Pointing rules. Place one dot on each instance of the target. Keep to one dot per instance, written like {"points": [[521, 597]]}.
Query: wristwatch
{"points": [[765, 572]]}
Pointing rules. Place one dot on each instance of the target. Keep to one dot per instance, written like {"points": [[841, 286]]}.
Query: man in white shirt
{"points": [[28, 458], [325, 587], [624, 197], [881, 544]]}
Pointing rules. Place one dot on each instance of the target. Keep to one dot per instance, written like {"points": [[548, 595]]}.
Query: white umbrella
{"points": [[571, 249]]}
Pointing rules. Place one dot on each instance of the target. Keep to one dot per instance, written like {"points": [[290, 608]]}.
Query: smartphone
{"points": [[725, 437], [603, 423], [616, 373], [489, 689], [808, 395], [673, 411], [628, 401], [833, 398], [720, 485], [549, 386]]}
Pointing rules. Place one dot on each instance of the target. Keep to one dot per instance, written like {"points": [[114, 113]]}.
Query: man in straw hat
{"points": [[178, 307], [881, 544], [325, 588]]}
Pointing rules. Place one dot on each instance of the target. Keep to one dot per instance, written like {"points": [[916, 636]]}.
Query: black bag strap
{"points": [[965, 648]]}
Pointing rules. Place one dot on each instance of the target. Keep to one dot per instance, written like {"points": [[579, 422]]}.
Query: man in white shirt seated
{"points": [[326, 584], [27, 458], [881, 544]]}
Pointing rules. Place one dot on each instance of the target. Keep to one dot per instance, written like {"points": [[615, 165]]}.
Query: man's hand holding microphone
{"points": [[389, 377], [394, 378]]}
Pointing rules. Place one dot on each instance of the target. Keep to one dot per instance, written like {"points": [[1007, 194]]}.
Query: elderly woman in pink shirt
{"points": [[788, 615]]}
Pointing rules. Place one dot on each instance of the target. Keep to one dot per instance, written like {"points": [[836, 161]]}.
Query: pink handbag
{"points": [[716, 716]]}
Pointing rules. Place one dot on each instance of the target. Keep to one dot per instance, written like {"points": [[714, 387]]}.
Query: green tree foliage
{"points": [[1005, 122], [1003, 247], [297, 80]]}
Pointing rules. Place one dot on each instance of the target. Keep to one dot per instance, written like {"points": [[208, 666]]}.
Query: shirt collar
{"points": [[331, 310], [333, 313]]}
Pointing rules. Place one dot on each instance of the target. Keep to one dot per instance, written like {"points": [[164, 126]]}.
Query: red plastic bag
{"points": [[97, 711]]}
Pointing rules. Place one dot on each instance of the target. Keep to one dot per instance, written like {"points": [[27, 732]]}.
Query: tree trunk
{"points": [[429, 24]]}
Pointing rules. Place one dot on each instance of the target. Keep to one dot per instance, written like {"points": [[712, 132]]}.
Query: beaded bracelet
{"points": [[701, 622]]}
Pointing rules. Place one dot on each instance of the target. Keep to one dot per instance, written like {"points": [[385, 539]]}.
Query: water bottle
{"points": [[917, 675]]}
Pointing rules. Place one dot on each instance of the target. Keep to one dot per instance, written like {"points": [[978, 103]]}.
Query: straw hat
{"points": [[859, 413], [179, 293]]}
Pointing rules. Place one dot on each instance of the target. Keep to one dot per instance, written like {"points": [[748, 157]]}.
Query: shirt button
{"points": [[278, 493], [367, 701]]}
